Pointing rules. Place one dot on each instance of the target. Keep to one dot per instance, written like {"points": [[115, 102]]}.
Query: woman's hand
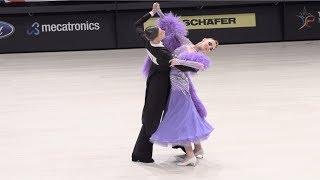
{"points": [[174, 62], [155, 7], [158, 7]]}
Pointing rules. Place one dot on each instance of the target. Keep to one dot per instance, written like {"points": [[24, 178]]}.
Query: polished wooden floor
{"points": [[76, 115]]}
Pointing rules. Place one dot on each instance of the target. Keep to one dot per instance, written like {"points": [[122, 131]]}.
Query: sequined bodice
{"points": [[179, 81]]}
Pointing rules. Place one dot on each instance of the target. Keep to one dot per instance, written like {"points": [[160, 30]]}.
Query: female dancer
{"points": [[184, 121]]}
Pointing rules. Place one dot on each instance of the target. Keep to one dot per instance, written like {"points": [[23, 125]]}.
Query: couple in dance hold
{"points": [[172, 114]]}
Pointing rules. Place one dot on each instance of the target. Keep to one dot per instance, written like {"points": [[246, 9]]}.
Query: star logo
{"points": [[1, 32], [306, 19]]}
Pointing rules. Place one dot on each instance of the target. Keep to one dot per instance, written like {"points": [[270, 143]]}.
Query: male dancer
{"points": [[158, 85]]}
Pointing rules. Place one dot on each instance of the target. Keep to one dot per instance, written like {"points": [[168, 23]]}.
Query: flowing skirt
{"points": [[181, 124]]}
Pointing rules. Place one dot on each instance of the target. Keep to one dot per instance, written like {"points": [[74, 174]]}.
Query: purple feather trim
{"points": [[197, 57], [196, 100], [171, 42], [146, 66], [205, 60], [174, 27]]}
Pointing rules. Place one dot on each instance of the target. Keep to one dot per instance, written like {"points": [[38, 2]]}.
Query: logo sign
{"points": [[6, 29], [34, 29], [37, 28], [307, 19], [215, 21]]}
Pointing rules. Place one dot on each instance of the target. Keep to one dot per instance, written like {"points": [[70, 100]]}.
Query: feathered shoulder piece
{"points": [[172, 24], [174, 28]]}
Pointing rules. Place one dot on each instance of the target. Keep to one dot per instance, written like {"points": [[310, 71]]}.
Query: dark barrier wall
{"points": [[109, 25], [126, 35], [55, 32], [266, 18], [302, 21]]}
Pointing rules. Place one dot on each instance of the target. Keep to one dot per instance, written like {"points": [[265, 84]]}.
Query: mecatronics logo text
{"points": [[37, 28], [307, 19], [6, 30]]}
